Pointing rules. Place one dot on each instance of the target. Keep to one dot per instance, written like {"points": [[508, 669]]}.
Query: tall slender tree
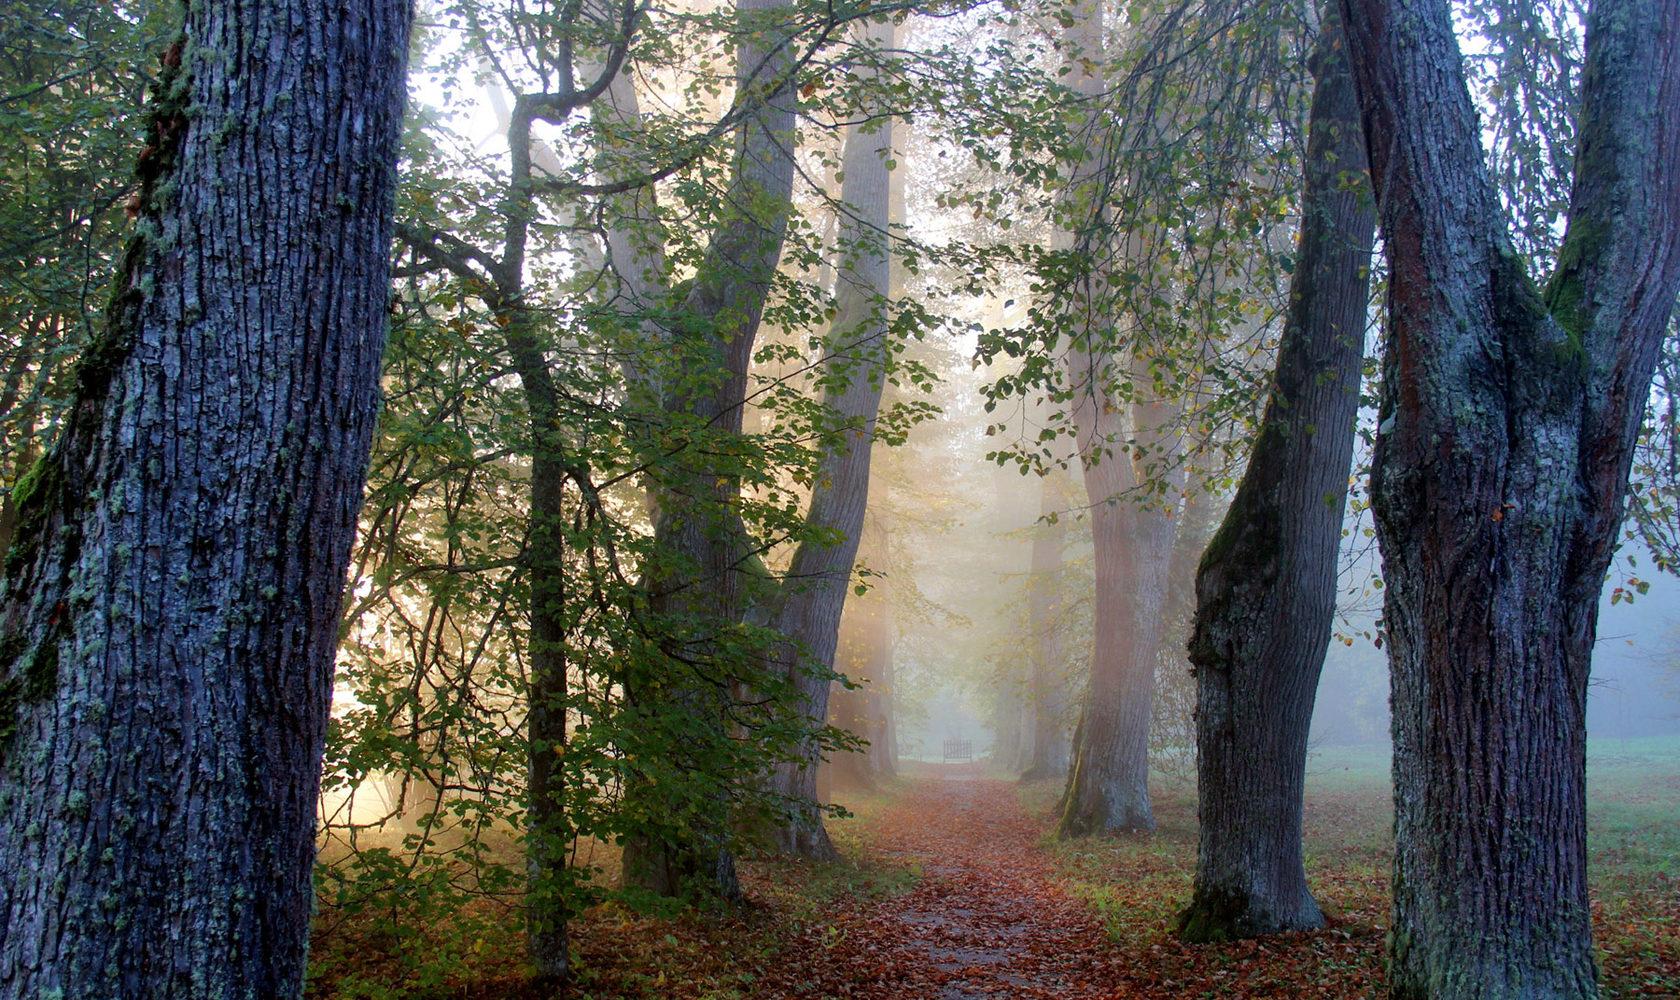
{"points": [[1266, 589], [1507, 427], [171, 600]]}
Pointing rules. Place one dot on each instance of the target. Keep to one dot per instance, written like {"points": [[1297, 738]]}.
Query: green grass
{"points": [[1633, 807], [1138, 884]]}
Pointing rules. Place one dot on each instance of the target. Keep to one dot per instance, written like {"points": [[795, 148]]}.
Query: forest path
{"points": [[988, 919]]}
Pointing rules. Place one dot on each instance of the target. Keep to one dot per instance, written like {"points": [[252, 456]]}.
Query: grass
{"points": [[1138, 884], [863, 874]]}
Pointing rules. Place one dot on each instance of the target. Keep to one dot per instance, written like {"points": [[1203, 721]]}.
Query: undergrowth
{"points": [[802, 916]]}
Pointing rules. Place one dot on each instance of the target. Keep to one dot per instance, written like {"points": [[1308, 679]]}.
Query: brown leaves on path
{"points": [[989, 918], [998, 911]]}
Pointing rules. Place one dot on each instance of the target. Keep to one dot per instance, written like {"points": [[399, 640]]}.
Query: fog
{"points": [[963, 655]]}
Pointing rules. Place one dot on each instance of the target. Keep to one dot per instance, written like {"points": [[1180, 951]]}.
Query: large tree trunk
{"points": [[172, 595], [696, 587], [1507, 429], [1108, 783], [1266, 589], [818, 577]]}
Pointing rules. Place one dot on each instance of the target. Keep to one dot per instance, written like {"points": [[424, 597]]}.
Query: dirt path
{"points": [[987, 920]]}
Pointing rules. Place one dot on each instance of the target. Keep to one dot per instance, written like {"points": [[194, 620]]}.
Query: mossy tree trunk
{"points": [[172, 593], [1266, 589], [1506, 433]]}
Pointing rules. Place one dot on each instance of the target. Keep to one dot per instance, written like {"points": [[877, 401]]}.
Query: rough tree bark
{"points": [[1266, 589], [820, 572], [1506, 432], [170, 611]]}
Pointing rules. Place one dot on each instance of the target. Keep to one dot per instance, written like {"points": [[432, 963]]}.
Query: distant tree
{"points": [[1122, 418], [1047, 750], [1266, 589], [1166, 268], [1507, 428], [172, 592], [865, 657]]}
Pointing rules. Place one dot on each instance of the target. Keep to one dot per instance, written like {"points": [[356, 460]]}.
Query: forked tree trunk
{"points": [[819, 575], [1506, 433], [697, 586], [170, 612], [1266, 589]]}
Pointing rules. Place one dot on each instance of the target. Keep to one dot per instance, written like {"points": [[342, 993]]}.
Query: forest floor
{"points": [[953, 889]]}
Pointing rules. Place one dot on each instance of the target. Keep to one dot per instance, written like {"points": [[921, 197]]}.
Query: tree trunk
{"points": [[1009, 705], [859, 353], [1506, 431], [865, 657], [1266, 589], [1108, 784], [548, 831], [882, 675], [697, 587], [878, 691], [170, 615], [1048, 757]]}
